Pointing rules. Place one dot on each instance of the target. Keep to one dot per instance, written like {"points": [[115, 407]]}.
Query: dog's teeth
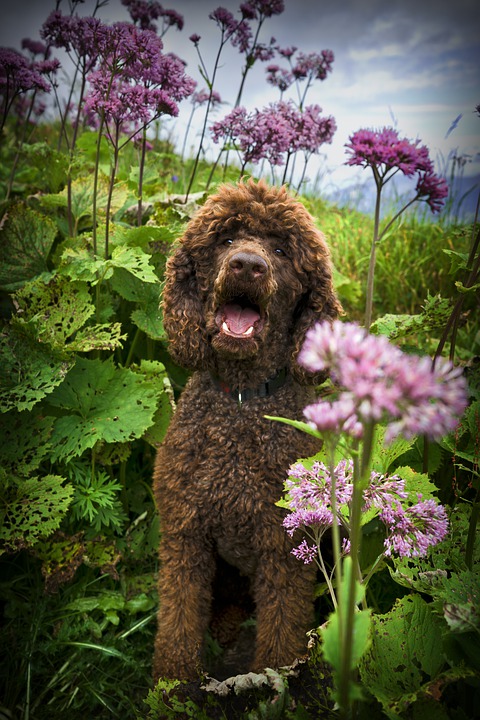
{"points": [[225, 327], [249, 331]]}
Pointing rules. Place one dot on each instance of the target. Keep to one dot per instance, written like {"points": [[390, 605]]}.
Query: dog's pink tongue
{"points": [[239, 319]]}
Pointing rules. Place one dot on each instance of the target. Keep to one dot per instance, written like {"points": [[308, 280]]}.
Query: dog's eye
{"points": [[228, 241], [279, 251]]}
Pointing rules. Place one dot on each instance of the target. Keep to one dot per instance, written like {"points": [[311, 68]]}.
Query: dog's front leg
{"points": [[284, 590], [185, 594]]}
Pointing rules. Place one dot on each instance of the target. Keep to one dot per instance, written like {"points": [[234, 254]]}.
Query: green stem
{"points": [[361, 473], [140, 177], [336, 542], [371, 266]]}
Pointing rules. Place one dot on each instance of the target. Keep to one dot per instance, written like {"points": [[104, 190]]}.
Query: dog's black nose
{"points": [[247, 266]]}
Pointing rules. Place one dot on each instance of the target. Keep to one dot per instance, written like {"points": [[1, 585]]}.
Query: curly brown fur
{"points": [[251, 274]]}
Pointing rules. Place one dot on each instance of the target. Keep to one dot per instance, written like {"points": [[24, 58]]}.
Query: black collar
{"points": [[263, 390]]}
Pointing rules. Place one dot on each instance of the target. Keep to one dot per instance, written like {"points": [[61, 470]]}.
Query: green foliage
{"points": [[399, 673], [100, 402], [26, 239], [85, 400], [95, 499], [334, 647], [33, 510], [28, 370]]}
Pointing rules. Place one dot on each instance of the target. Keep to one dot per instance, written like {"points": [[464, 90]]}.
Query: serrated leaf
{"points": [[149, 319], [81, 264], [98, 337], [406, 651], [434, 314], [25, 441], [416, 483], [26, 238], [156, 373], [56, 309], [100, 402], [384, 455], [135, 261], [34, 511], [29, 371]]}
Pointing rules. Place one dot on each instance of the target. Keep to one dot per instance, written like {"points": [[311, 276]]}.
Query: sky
{"points": [[410, 64]]}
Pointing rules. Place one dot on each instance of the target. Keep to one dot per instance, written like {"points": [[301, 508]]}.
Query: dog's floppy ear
{"points": [[183, 315], [318, 303]]}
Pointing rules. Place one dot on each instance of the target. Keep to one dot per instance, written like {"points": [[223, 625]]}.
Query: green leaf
{"points": [[135, 261], [28, 370], [25, 441], [416, 483], [406, 651], [299, 424], [434, 314], [98, 337], [156, 373], [50, 165], [101, 403], [26, 238], [33, 510], [56, 309], [384, 455], [83, 265], [334, 633]]}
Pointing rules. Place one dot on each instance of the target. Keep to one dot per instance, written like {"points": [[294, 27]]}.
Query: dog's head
{"points": [[251, 274]]}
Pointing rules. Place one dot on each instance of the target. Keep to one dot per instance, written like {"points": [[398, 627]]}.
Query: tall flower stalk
{"points": [[376, 384], [386, 154]]}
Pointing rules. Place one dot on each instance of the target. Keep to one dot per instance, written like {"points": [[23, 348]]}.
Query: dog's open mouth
{"points": [[240, 318]]}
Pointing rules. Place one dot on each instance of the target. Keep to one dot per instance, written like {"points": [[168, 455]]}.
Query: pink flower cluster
{"points": [[19, 75], [410, 528], [130, 80], [307, 66], [379, 383], [145, 12], [386, 153], [274, 131]]}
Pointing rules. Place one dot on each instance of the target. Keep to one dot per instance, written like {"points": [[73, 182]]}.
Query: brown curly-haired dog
{"points": [[250, 276]]}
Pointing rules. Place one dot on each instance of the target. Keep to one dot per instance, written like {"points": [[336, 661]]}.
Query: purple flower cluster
{"points": [[386, 153], [145, 12], [410, 529], [380, 383], [275, 131], [200, 97], [19, 75], [307, 66], [129, 79]]}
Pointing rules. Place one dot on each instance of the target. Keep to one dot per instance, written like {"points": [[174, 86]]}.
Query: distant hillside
{"points": [[461, 203]]}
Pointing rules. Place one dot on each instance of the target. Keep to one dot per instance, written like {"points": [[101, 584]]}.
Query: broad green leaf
{"points": [[100, 402], [33, 510], [406, 651], [26, 238], [56, 309], [416, 483], [81, 264], [98, 337], [156, 373], [49, 165], [384, 455], [25, 441], [29, 370], [135, 261], [148, 317], [434, 314]]}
